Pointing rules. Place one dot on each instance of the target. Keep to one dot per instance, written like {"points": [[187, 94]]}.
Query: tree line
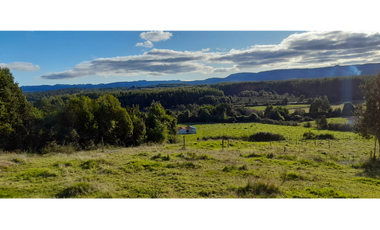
{"points": [[78, 121]]}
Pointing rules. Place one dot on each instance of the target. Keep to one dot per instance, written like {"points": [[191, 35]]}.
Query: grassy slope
{"points": [[312, 169], [292, 108]]}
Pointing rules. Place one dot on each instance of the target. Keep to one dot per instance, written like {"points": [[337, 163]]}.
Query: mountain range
{"points": [[281, 74]]}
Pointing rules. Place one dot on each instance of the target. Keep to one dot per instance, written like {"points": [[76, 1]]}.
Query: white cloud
{"points": [[156, 36], [358, 30], [21, 66], [307, 50], [205, 50], [147, 44]]}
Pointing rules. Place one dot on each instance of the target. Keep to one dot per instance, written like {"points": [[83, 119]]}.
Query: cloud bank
{"points": [[21, 66], [308, 50]]}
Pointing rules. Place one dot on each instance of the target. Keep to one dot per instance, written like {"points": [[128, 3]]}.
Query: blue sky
{"points": [[81, 57]]}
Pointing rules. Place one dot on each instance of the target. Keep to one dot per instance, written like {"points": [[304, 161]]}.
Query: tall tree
{"points": [[114, 122], [16, 114], [368, 124], [159, 124]]}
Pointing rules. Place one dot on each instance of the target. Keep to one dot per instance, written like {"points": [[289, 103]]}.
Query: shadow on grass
{"points": [[371, 168]]}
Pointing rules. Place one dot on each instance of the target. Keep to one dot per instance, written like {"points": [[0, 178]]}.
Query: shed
{"points": [[187, 130]]}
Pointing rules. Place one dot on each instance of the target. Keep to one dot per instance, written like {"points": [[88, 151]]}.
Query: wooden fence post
{"points": [[102, 145], [184, 143], [374, 152]]}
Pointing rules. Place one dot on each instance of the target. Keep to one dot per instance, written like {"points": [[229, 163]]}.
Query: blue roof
{"points": [[193, 127]]}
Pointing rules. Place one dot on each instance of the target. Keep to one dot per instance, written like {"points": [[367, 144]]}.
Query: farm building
{"points": [[187, 130], [352, 120]]}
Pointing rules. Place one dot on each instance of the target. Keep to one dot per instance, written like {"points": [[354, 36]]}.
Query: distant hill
{"points": [[283, 74]]}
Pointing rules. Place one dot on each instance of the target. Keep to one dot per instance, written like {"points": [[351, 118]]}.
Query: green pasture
{"points": [[292, 108], [293, 168], [241, 129]]}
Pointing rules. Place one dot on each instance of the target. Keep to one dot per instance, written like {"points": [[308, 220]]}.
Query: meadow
{"points": [[293, 168], [292, 107]]}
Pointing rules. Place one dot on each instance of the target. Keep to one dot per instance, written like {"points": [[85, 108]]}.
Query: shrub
{"points": [[266, 136], [76, 190], [290, 176], [160, 157], [252, 155], [340, 127], [307, 118], [309, 136], [296, 118], [321, 122], [93, 164], [53, 147], [325, 136], [307, 125], [313, 136], [258, 188], [173, 139]]}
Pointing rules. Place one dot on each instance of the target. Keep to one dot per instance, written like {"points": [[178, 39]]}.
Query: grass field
{"points": [[286, 169], [289, 107], [292, 108]]}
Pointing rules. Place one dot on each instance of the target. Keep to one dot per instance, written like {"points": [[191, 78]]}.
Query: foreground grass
{"points": [[287, 169]]}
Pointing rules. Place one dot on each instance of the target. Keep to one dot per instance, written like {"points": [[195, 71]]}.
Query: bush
{"points": [[321, 122], [258, 188], [307, 118], [340, 127], [160, 157], [313, 136], [266, 136], [93, 164], [173, 139], [76, 190], [275, 122], [296, 118], [326, 136], [309, 136], [291, 176], [307, 125], [53, 147]]}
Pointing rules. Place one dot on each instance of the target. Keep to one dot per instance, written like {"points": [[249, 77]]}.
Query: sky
{"points": [[82, 57]]}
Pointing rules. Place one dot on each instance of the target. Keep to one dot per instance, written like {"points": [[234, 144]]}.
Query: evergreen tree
{"points": [[16, 114], [348, 109]]}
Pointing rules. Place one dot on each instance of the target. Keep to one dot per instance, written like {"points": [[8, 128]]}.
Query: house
{"points": [[187, 130], [352, 120]]}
